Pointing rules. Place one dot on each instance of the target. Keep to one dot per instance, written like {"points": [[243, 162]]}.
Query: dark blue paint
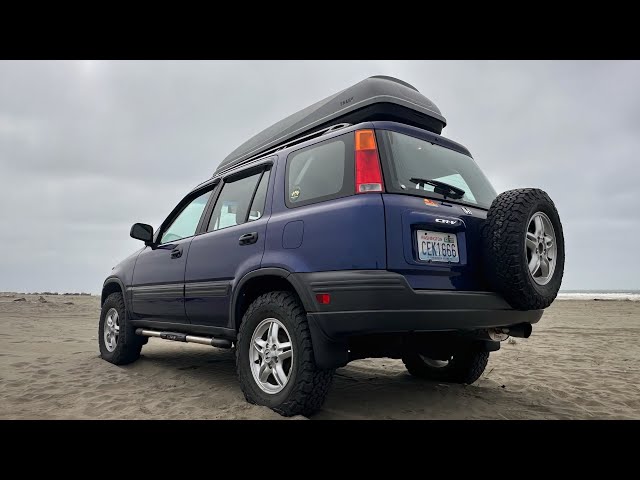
{"points": [[155, 266], [217, 256], [293, 234], [123, 272], [357, 232]]}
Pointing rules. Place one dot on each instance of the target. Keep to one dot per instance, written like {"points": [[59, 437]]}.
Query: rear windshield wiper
{"points": [[440, 187]]}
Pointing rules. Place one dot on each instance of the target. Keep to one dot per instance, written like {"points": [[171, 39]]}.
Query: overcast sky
{"points": [[89, 147]]}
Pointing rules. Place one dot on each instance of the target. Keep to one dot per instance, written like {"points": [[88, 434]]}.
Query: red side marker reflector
{"points": [[323, 298]]}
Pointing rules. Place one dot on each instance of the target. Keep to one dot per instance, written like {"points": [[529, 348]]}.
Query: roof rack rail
{"points": [[337, 126], [317, 133]]}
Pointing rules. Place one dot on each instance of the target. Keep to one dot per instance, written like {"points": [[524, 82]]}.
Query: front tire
{"points": [[465, 366], [274, 357], [118, 341]]}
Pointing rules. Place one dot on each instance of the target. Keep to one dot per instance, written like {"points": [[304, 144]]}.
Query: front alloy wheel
{"points": [[117, 338], [111, 330]]}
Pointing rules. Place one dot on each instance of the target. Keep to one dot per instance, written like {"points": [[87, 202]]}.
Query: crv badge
{"points": [[448, 222]]}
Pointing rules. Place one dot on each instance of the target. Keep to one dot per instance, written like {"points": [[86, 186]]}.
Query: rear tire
{"points": [[305, 385], [465, 366], [117, 338]]}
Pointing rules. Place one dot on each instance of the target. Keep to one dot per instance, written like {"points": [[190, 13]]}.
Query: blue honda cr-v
{"points": [[348, 230]]}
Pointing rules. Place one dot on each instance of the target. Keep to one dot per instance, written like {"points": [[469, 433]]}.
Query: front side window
{"points": [[412, 162], [232, 206], [185, 224], [320, 172]]}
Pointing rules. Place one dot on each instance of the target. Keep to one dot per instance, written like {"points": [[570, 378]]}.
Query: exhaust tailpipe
{"points": [[182, 337], [521, 330]]}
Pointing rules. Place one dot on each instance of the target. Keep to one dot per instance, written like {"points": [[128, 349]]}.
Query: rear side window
{"points": [[232, 205], [321, 172]]}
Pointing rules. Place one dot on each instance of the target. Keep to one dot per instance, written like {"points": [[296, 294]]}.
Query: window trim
{"points": [[209, 187], [348, 188], [255, 192], [253, 196], [230, 178]]}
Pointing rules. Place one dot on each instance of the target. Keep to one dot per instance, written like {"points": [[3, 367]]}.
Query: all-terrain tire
{"points": [[129, 344], [308, 385], [465, 366], [505, 257]]}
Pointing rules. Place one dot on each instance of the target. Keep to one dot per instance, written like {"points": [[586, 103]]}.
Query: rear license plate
{"points": [[438, 247]]}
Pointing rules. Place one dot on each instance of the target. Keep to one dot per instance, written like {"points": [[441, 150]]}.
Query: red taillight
{"points": [[368, 173], [323, 298]]}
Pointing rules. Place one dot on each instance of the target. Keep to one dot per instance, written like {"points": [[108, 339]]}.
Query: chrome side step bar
{"points": [[183, 337]]}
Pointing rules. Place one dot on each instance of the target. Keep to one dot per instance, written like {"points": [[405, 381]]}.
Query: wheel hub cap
{"points": [[271, 355], [540, 248]]}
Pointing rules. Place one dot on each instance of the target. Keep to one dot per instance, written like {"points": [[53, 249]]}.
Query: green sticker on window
{"points": [[295, 194]]}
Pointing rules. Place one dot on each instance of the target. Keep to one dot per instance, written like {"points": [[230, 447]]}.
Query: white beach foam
{"points": [[634, 297]]}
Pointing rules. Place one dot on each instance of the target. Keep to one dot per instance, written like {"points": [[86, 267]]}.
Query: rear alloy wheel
{"points": [[271, 355], [524, 248], [274, 357], [465, 366]]}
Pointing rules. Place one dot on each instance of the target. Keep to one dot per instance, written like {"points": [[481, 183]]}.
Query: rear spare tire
{"points": [[524, 248]]}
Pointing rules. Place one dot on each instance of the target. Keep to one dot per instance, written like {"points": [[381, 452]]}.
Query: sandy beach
{"points": [[582, 362]]}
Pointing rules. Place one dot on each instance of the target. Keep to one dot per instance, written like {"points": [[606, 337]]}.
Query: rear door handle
{"points": [[176, 252], [248, 238]]}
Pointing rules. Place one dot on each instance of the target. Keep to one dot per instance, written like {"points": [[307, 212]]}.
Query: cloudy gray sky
{"points": [[89, 147]]}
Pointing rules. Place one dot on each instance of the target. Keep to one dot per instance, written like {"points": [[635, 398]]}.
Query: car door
{"points": [[231, 245], [157, 291]]}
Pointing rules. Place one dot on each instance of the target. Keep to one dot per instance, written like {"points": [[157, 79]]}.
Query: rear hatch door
{"points": [[436, 200]]}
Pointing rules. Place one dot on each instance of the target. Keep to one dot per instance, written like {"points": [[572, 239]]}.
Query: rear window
{"points": [[413, 161], [320, 172]]}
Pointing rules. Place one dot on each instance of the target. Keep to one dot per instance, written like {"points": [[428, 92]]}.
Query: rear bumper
{"points": [[376, 301]]}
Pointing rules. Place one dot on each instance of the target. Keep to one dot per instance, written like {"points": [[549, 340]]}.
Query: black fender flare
{"points": [[327, 353], [110, 280], [300, 290]]}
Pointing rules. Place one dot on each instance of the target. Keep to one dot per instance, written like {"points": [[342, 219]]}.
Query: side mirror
{"points": [[142, 231]]}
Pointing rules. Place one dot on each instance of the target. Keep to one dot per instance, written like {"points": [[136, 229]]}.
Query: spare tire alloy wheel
{"points": [[540, 245]]}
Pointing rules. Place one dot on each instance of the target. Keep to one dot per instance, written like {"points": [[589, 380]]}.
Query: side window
{"points": [[257, 206], [233, 203], [321, 172], [185, 224]]}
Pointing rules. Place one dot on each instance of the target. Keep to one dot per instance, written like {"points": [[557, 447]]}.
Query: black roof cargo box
{"points": [[375, 98]]}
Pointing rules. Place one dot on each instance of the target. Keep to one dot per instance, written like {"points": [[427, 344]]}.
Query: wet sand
{"points": [[582, 362]]}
